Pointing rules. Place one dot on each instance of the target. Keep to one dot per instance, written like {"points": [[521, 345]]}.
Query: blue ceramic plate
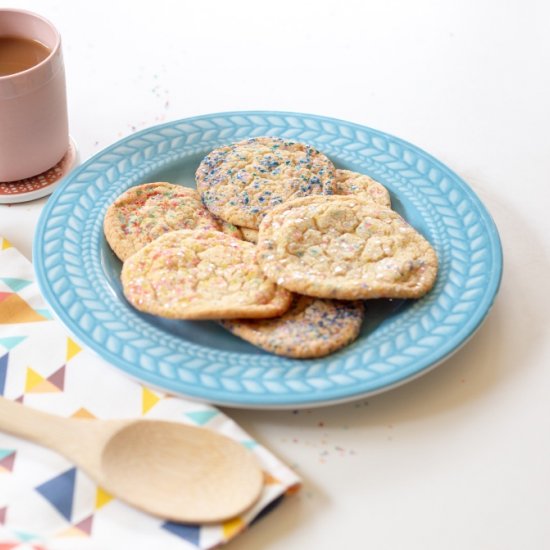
{"points": [[79, 275]]}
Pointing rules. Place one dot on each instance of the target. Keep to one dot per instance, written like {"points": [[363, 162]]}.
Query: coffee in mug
{"points": [[19, 54]]}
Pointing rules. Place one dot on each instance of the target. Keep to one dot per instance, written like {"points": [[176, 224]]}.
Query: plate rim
{"points": [[282, 401]]}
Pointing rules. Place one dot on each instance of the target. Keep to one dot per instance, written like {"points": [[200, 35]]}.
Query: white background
{"points": [[460, 458]]}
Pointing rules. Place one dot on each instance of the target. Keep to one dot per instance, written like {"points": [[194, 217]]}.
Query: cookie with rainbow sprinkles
{"points": [[201, 274], [347, 182], [147, 211]]}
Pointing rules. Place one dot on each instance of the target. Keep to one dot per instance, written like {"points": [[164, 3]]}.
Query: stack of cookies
{"points": [[275, 242]]}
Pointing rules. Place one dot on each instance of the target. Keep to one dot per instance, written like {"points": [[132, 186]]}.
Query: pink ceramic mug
{"points": [[34, 133]]}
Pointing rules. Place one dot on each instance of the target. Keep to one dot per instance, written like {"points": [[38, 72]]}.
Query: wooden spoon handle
{"points": [[79, 440], [37, 426]]}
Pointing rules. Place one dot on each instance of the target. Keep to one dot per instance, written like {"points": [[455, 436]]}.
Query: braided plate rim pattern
{"points": [[72, 278]]}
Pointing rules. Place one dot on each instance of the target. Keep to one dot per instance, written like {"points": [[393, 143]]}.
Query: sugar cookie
{"points": [[230, 229], [250, 235], [241, 182], [310, 328], [343, 247], [201, 274], [145, 212], [347, 182]]}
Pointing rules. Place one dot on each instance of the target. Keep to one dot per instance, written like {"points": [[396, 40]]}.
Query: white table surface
{"points": [[460, 458]]}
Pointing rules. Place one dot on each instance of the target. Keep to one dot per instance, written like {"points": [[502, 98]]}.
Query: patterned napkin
{"points": [[47, 503]]}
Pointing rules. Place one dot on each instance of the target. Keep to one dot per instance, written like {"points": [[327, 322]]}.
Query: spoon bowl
{"points": [[189, 470]]}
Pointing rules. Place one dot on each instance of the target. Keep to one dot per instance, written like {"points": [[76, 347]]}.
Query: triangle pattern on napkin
{"points": [[59, 492], [13, 309]]}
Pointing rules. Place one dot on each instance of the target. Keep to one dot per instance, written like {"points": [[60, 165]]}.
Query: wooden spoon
{"points": [[178, 472]]}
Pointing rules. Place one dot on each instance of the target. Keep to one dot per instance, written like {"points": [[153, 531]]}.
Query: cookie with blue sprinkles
{"points": [[241, 182], [310, 328]]}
